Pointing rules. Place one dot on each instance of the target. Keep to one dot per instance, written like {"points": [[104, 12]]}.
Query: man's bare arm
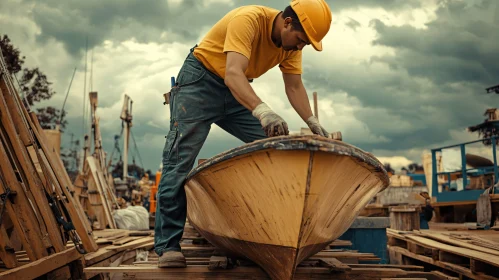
{"points": [[237, 82], [297, 95]]}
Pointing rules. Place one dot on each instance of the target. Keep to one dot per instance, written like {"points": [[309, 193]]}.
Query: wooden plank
{"points": [[21, 212], [91, 161], [49, 227], [125, 239], [42, 266], [469, 253], [404, 278], [448, 266], [73, 206], [110, 233], [334, 264], [202, 272], [360, 256], [445, 238], [399, 266], [444, 276], [7, 253], [340, 243], [132, 244], [108, 251], [484, 210], [98, 256], [60, 273], [6, 90]]}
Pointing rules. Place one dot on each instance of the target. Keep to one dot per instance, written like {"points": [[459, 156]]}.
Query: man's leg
{"points": [[239, 121], [181, 149], [194, 107]]}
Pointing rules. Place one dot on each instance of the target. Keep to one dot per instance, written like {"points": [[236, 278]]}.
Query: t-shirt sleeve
{"points": [[292, 64], [241, 32]]}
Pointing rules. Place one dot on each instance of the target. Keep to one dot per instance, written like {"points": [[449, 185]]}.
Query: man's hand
{"points": [[272, 124], [315, 127]]}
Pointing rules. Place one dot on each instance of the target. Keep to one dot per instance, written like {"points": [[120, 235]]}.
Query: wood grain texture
{"points": [[282, 198], [224, 201], [465, 252], [278, 261], [441, 236]]}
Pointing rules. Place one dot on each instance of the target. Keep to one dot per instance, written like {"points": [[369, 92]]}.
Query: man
{"points": [[213, 86]]}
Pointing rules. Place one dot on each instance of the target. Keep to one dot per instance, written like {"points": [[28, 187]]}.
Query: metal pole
{"points": [[316, 110], [463, 166], [434, 176], [495, 159]]}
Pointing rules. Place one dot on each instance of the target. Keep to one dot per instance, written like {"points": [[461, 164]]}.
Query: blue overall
{"points": [[200, 99]]}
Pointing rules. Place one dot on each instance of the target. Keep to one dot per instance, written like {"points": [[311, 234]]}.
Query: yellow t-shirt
{"points": [[246, 30]]}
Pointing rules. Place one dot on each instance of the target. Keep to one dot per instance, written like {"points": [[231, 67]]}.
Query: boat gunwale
{"points": [[301, 142]]}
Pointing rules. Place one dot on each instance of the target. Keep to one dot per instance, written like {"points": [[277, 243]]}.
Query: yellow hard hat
{"points": [[315, 17]]}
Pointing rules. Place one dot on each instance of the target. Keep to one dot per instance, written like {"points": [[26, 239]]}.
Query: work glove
{"points": [[315, 127], [272, 124]]}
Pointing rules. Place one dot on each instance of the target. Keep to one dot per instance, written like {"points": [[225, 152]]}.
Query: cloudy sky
{"points": [[397, 77]]}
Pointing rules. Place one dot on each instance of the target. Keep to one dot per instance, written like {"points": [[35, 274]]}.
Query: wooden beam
{"points": [[7, 253], [100, 185], [22, 165], [20, 212], [316, 105], [72, 205], [334, 264], [191, 272], [42, 266], [15, 123]]}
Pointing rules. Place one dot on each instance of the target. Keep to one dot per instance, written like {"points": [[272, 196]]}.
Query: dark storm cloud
{"points": [[71, 21], [438, 76], [458, 46], [352, 23], [437, 83]]}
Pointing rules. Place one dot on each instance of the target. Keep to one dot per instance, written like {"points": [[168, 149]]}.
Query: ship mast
{"points": [[126, 117]]}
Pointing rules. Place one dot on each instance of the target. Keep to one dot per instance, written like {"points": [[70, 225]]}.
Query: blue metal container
{"points": [[368, 235]]}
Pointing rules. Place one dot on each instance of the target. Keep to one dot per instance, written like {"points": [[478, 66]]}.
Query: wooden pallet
{"points": [[34, 186], [466, 254]]}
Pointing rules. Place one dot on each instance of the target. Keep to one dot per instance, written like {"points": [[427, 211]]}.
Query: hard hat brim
{"points": [[317, 45]]}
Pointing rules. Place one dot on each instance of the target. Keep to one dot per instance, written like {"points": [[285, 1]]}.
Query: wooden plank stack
{"points": [[401, 181], [94, 185], [38, 213], [135, 259], [471, 254]]}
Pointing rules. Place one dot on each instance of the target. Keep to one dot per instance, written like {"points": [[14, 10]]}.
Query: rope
{"points": [[135, 144], [4, 198]]}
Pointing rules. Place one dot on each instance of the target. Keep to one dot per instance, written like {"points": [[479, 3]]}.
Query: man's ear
{"points": [[287, 22]]}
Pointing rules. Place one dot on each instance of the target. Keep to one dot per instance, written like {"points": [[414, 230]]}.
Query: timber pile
{"points": [[472, 254], [94, 185], [38, 213], [137, 260]]}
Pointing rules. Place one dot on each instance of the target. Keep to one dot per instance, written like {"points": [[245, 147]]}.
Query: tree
{"points": [[389, 168], [49, 116], [415, 167], [34, 84]]}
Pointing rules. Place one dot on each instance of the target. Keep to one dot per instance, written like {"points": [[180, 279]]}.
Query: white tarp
{"points": [[132, 218]]}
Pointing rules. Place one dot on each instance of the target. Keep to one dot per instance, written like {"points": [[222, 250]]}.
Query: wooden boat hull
{"points": [[281, 200]]}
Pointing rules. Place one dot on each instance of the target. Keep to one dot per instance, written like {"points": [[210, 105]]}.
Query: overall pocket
{"points": [[194, 98], [170, 154], [190, 73]]}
